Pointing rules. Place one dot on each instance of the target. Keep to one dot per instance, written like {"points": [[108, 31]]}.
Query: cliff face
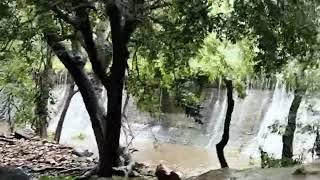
{"points": [[307, 171]]}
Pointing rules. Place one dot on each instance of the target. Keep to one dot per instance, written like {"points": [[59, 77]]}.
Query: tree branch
{"points": [[128, 29], [85, 86], [85, 28], [68, 19]]}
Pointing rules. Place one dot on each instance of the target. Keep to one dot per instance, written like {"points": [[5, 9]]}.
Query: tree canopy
{"points": [[151, 48]]}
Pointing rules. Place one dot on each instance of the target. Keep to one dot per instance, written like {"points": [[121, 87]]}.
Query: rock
{"points": [[163, 173], [308, 169], [12, 174], [143, 169], [85, 153], [20, 136], [26, 133]]}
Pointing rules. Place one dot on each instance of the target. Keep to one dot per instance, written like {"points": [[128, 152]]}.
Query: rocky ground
{"points": [[38, 157], [302, 172], [41, 157]]}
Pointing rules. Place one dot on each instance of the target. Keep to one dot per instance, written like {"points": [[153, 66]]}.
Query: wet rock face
{"points": [[12, 174], [163, 173]]}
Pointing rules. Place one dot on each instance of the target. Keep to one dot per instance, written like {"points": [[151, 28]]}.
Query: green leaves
{"points": [[18, 59], [284, 30], [4, 10], [166, 41], [16, 80], [218, 59]]}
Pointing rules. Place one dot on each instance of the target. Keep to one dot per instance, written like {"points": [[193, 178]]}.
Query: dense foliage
{"points": [[285, 30], [170, 49]]}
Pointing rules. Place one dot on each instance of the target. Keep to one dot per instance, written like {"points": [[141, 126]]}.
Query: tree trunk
{"points": [[288, 136], [316, 145], [71, 92], [112, 126], [106, 128], [76, 48], [94, 108], [41, 110], [225, 137]]}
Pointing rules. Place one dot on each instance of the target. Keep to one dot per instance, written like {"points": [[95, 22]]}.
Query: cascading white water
{"points": [[216, 126], [269, 137], [250, 128], [276, 114]]}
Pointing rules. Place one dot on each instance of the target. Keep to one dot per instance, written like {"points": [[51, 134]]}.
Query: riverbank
{"points": [[310, 171]]}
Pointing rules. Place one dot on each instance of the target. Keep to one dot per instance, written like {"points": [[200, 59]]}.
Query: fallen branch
{"points": [[10, 141]]}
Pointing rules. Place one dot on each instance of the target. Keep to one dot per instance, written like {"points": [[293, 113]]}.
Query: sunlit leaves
{"points": [[224, 59]]}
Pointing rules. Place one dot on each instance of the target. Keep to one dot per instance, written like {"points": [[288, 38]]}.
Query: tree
{"points": [[231, 62], [84, 16], [301, 77], [225, 136], [43, 85], [18, 64], [70, 92], [69, 95], [285, 31], [177, 29]]}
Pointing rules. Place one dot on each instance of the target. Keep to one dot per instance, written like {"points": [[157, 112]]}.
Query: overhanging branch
{"points": [[67, 18], [85, 28]]}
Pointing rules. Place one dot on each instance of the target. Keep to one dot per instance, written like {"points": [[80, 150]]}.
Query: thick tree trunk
{"points": [[225, 137], [288, 136], [112, 126], [76, 48], [71, 92], [106, 128], [75, 68]]}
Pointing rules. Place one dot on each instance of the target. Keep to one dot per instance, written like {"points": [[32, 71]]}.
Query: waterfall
{"points": [[250, 126], [269, 137], [217, 122], [276, 115]]}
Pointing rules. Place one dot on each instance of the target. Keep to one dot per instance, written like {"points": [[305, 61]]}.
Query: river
{"points": [[188, 147]]}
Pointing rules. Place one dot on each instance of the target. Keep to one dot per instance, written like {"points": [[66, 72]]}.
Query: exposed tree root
{"points": [[133, 169], [89, 173]]}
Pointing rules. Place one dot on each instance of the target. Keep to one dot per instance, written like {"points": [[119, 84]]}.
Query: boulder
{"points": [[163, 173], [7, 173]]}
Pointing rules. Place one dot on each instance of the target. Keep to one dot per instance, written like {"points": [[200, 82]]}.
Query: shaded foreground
{"points": [[303, 172], [43, 158], [39, 157]]}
